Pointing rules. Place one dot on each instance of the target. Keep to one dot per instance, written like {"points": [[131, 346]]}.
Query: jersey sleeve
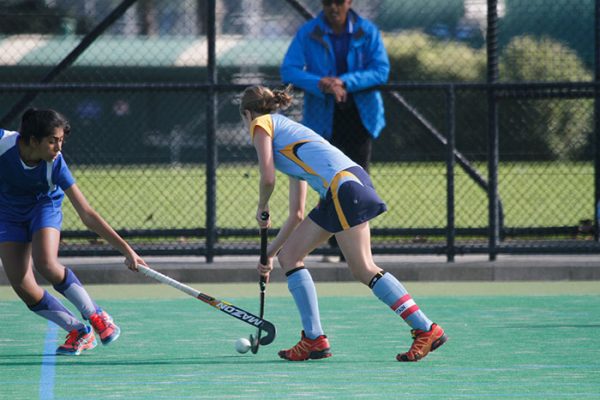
{"points": [[62, 175], [265, 122]]}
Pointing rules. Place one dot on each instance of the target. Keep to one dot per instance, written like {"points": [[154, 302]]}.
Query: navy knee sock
{"points": [[52, 309], [74, 291]]}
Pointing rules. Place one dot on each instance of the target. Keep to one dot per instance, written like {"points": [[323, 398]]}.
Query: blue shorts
{"points": [[350, 201], [43, 215]]}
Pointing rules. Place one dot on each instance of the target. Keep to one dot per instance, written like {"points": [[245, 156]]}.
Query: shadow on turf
{"points": [[90, 359], [548, 326]]}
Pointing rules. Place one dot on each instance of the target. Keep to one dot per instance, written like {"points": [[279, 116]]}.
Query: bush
{"points": [[529, 129], [555, 128], [567, 21], [415, 56], [418, 57]]}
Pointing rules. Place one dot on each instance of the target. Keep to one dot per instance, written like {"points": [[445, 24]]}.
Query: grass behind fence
{"points": [[159, 197]]}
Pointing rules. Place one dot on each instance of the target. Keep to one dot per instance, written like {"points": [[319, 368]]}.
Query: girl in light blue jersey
{"points": [[33, 181], [347, 202]]}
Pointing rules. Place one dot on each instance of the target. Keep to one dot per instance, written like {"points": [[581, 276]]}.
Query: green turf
{"points": [[515, 342]]}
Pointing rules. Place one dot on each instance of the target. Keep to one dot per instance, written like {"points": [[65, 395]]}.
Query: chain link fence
{"points": [[159, 150]]}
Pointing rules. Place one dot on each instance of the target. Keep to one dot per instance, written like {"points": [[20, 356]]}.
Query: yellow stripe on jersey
{"points": [[290, 152], [265, 122]]}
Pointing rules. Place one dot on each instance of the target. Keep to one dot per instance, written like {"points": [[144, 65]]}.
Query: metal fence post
{"points": [[450, 211], [493, 153], [211, 146], [597, 122]]}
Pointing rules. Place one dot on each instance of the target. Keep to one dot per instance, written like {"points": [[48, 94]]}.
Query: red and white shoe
{"points": [[424, 342], [104, 326], [77, 341], [307, 349]]}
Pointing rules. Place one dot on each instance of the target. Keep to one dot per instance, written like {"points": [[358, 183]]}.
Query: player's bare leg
{"points": [[355, 243], [16, 259]]}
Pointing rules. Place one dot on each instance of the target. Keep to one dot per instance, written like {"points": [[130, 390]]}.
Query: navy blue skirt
{"points": [[350, 201]]}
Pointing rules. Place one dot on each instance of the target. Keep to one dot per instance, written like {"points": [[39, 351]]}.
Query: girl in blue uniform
{"points": [[33, 181], [347, 202]]}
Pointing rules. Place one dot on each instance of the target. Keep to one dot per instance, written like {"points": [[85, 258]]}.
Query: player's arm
{"points": [[264, 150], [96, 223], [296, 206]]}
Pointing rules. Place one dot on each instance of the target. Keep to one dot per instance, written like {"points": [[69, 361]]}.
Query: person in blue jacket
{"points": [[338, 58], [34, 179]]}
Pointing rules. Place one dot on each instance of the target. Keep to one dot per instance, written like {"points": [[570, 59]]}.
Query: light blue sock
{"points": [[52, 309], [390, 291], [303, 290], [74, 291]]}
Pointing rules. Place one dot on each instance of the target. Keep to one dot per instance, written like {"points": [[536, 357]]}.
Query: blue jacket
{"points": [[311, 57]]}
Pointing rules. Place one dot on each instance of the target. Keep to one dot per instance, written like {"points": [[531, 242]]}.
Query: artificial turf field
{"points": [[507, 340]]}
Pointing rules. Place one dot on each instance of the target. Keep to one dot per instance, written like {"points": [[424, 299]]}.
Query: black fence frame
{"points": [[496, 92]]}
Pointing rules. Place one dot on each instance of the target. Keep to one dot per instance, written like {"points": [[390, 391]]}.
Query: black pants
{"points": [[350, 136]]}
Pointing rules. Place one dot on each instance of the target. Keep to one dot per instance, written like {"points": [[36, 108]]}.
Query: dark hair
{"points": [[42, 123], [262, 100]]}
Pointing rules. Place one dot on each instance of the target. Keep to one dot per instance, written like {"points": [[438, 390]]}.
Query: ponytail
{"points": [[261, 100]]}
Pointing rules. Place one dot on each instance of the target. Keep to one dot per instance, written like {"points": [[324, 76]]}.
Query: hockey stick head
{"points": [[254, 342], [270, 331], [257, 340]]}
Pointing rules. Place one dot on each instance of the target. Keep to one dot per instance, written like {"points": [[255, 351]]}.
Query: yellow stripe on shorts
{"points": [[335, 183]]}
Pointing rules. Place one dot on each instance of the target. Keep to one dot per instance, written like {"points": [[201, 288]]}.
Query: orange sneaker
{"points": [[424, 342], [104, 327], [77, 341], [306, 349]]}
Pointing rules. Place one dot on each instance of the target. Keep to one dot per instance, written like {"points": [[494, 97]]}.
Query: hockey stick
{"points": [[221, 305], [262, 283]]}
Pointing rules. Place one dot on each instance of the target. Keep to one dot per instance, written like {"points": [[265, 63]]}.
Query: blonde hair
{"points": [[260, 100]]}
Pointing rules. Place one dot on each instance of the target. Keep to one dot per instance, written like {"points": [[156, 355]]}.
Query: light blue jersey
{"points": [[22, 188], [301, 153]]}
